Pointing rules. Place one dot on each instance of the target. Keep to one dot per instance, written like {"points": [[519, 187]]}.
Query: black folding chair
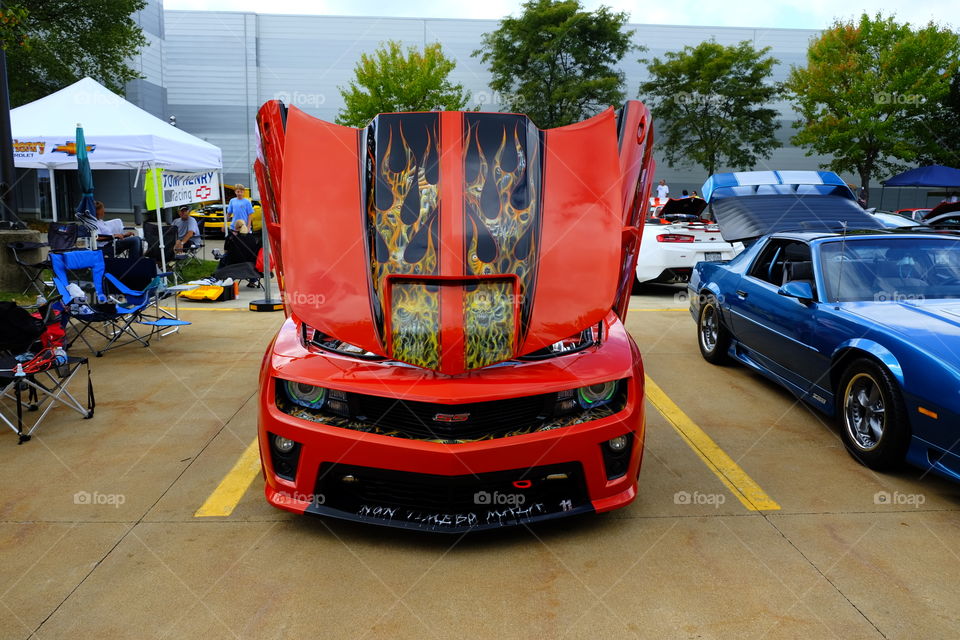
{"points": [[31, 269], [34, 381], [193, 246], [239, 258], [62, 236], [139, 275], [151, 236]]}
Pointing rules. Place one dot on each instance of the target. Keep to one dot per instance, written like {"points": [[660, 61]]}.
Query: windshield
{"points": [[882, 269]]}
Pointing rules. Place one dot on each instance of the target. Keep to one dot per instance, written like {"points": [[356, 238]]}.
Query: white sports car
{"points": [[675, 239]]}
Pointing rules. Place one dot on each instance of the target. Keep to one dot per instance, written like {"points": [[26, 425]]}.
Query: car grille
{"points": [[450, 423], [544, 489], [426, 420]]}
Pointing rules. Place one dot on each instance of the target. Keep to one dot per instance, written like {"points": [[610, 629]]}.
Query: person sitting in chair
{"points": [[188, 233], [123, 240]]}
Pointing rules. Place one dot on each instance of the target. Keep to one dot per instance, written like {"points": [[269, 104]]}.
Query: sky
{"points": [[795, 14]]}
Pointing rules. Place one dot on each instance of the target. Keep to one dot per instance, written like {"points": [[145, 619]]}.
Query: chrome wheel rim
{"points": [[709, 328], [864, 412]]}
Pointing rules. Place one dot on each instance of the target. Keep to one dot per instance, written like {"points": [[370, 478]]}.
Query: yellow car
{"points": [[212, 217]]}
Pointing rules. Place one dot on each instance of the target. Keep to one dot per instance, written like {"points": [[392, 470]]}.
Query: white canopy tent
{"points": [[119, 135]]}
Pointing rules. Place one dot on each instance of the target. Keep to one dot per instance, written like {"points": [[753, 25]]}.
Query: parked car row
{"points": [[675, 238], [454, 355]]}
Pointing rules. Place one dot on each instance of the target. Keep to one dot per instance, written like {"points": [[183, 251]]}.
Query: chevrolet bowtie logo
{"points": [[451, 417]]}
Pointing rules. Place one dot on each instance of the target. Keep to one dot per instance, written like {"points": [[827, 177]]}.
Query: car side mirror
{"points": [[799, 289]]}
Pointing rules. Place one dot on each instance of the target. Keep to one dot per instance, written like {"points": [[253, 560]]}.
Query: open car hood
{"points": [[750, 204], [942, 208], [686, 206], [450, 240]]}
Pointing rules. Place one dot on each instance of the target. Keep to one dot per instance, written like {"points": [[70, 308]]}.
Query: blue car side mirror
{"points": [[799, 289]]}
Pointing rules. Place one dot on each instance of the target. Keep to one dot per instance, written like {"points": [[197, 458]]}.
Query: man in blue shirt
{"points": [[239, 207]]}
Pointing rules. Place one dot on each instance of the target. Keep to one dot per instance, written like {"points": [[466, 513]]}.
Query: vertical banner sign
{"points": [[179, 187], [154, 199]]}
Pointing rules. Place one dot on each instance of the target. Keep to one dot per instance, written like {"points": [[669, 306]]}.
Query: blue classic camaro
{"points": [[862, 323]]}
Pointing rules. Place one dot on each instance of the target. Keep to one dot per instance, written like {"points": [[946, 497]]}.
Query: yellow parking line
{"points": [[226, 496], [730, 473], [228, 493]]}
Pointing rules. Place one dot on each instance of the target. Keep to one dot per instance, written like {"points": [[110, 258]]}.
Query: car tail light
{"points": [[674, 237]]}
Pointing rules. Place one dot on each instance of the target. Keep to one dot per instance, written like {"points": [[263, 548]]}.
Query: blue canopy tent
{"points": [[934, 175]]}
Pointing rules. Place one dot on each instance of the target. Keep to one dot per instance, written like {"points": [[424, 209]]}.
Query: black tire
{"points": [[872, 415], [712, 337]]}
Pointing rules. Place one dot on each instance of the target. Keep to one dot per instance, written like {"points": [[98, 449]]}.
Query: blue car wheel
{"points": [[712, 336], [872, 415]]}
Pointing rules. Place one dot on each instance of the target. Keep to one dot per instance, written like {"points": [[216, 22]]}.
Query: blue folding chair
{"points": [[106, 315]]}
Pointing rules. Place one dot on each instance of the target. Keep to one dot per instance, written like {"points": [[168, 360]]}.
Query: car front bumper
{"points": [[408, 483]]}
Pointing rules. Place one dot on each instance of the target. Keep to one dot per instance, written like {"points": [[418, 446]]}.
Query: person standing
{"points": [[663, 191], [239, 208]]}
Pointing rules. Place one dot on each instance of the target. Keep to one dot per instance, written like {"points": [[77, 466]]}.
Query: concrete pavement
{"points": [[687, 559]]}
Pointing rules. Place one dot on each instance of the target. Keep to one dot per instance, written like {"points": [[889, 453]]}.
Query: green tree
{"points": [[68, 40], [390, 80], [939, 142], [710, 103], [12, 30], [866, 90], [556, 62]]}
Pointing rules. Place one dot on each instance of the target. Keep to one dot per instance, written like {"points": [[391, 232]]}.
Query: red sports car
{"points": [[455, 283]]}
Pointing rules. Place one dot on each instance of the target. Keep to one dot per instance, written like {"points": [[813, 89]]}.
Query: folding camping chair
{"points": [[109, 246], [88, 229], [239, 258], [62, 236], [31, 269], [194, 245], [110, 318], [35, 381], [141, 275], [152, 237]]}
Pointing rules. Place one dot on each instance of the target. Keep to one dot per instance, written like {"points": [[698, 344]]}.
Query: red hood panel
{"points": [[450, 240]]}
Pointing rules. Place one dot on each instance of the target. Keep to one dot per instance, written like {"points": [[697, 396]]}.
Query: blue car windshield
{"points": [[889, 269]]}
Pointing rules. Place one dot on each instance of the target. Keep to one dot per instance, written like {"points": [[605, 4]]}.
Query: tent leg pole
{"points": [[53, 192], [223, 201], [156, 190]]}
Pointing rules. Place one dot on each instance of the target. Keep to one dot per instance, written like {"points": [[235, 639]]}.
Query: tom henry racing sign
{"points": [[179, 187]]}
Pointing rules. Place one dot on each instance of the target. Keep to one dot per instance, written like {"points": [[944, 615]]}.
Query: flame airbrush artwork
{"points": [[404, 224], [501, 198]]}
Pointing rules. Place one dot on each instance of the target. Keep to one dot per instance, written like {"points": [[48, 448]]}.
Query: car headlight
{"points": [[589, 397], [305, 395], [596, 395], [314, 338]]}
